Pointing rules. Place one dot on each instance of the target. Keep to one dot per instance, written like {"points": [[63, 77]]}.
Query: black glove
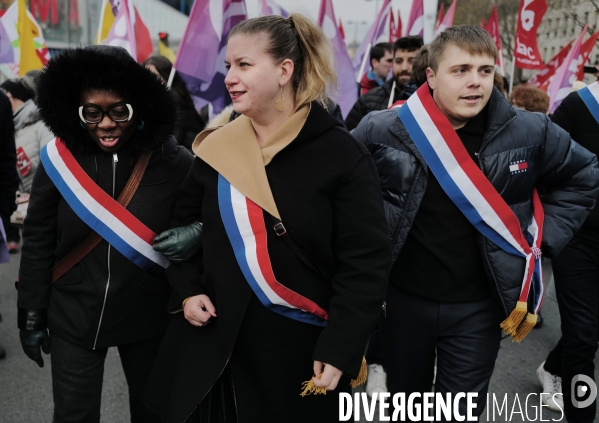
{"points": [[31, 340], [180, 244]]}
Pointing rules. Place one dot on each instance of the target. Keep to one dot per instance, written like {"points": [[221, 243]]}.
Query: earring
{"points": [[82, 125], [281, 103], [141, 125]]}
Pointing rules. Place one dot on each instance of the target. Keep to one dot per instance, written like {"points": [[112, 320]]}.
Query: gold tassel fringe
{"points": [[525, 327], [362, 375], [309, 388], [510, 325]]}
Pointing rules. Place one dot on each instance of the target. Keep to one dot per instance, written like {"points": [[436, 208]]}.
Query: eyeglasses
{"points": [[118, 112]]}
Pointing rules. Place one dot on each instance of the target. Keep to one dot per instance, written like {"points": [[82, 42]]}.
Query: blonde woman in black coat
{"points": [[295, 251]]}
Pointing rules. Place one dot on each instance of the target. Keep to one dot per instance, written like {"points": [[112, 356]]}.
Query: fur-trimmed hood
{"points": [[104, 68]]}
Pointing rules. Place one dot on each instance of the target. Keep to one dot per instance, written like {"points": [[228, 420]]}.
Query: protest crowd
{"points": [[263, 237]]}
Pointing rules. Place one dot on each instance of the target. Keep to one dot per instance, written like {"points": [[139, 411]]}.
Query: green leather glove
{"points": [[32, 340], [180, 244]]}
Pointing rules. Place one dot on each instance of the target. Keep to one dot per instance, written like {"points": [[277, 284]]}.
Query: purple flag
{"points": [[376, 31], [122, 33], [201, 56], [4, 257], [416, 19], [348, 91], [269, 7], [6, 51], [562, 82]]}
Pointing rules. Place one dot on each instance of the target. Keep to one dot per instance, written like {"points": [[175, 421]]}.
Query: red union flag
{"points": [[585, 52], [492, 27], [526, 53]]}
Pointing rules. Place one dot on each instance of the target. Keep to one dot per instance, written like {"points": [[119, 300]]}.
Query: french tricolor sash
{"points": [[590, 96], [475, 196], [99, 210], [246, 229]]}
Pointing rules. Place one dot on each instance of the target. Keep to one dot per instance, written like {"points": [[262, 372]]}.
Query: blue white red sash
{"points": [[473, 193], [590, 96], [99, 210], [245, 227]]}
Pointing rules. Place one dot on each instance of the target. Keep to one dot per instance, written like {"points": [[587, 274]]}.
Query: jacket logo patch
{"points": [[518, 166]]}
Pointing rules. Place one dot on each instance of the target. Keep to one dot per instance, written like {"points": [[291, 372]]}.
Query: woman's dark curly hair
{"points": [[69, 74]]}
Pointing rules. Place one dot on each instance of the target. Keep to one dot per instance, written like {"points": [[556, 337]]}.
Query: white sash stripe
{"points": [[240, 211]]}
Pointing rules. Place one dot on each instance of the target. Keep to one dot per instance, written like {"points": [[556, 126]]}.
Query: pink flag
{"points": [[376, 31], [347, 90], [563, 80], [122, 33], [143, 39], [440, 16], [201, 56], [540, 78], [416, 19], [527, 54], [492, 27], [447, 20]]}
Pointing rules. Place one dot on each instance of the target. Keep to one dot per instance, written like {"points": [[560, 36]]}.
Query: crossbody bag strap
{"points": [[282, 233], [83, 249]]}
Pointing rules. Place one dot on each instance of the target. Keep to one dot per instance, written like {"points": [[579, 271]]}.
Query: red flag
{"points": [[585, 52], [398, 25], [492, 27], [392, 27], [341, 30], [542, 78], [440, 17], [145, 48], [526, 53]]}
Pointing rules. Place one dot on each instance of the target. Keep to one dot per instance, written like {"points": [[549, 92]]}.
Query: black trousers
{"points": [[77, 375], [466, 338], [576, 273]]}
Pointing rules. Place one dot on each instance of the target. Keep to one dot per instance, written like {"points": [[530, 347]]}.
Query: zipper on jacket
{"points": [[115, 160]]}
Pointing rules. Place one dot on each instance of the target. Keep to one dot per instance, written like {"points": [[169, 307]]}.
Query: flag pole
{"points": [[513, 65], [366, 56], [171, 77]]}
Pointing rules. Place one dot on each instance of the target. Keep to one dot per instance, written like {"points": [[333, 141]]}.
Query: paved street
{"points": [[25, 389]]}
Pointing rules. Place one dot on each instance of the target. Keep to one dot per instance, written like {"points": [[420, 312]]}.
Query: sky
{"points": [[357, 15]]}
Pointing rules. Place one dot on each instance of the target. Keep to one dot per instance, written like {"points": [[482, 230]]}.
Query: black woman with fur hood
{"points": [[111, 117]]}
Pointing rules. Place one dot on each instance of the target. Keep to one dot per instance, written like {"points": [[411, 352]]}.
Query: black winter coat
{"points": [[135, 305], [376, 99], [326, 189], [567, 174], [9, 177], [574, 116]]}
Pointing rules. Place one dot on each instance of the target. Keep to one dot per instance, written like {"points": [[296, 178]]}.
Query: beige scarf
{"points": [[234, 152]]}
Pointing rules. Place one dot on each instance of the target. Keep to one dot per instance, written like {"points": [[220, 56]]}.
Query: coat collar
{"points": [[233, 151]]}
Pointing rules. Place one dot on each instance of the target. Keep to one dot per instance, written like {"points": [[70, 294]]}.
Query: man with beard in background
{"points": [[396, 88]]}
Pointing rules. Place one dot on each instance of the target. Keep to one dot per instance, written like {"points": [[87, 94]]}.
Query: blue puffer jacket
{"points": [[566, 175]]}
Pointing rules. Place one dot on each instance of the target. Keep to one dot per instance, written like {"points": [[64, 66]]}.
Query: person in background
{"points": [[31, 135], [530, 98], [381, 61], [396, 88], [189, 122], [316, 219], [498, 82], [9, 177], [576, 276], [89, 279]]}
